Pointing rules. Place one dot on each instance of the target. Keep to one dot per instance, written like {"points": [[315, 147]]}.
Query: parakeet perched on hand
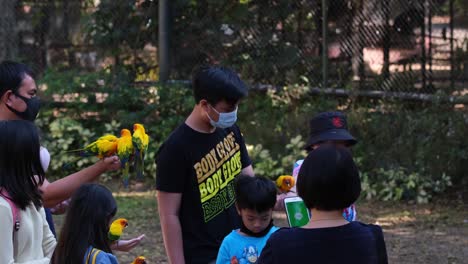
{"points": [[139, 260], [285, 183], [116, 229], [140, 142], [125, 151], [104, 146]]}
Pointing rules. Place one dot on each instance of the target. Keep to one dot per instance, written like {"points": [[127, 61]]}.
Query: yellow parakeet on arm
{"points": [[103, 147], [116, 229], [139, 260], [140, 142], [125, 151]]}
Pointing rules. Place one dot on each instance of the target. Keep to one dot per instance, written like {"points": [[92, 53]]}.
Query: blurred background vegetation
{"points": [[98, 72]]}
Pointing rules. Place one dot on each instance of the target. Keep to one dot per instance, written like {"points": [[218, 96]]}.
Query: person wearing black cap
{"points": [[328, 128]]}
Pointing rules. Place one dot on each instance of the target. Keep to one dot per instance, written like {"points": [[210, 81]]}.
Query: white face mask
{"points": [[45, 158], [225, 119]]}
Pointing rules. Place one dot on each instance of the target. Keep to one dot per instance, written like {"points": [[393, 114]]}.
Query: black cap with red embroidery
{"points": [[329, 126]]}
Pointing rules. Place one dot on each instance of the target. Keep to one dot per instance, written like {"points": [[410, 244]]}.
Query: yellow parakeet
{"points": [[125, 151], [285, 183], [104, 146], [116, 229], [139, 260], [140, 142]]}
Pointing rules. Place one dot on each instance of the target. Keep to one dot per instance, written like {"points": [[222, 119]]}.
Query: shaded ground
{"points": [[431, 233]]}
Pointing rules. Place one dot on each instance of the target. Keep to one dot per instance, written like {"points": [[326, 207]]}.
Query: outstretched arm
{"points": [[59, 190]]}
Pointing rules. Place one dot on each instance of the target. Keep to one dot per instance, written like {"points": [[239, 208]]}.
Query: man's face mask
{"points": [[225, 119], [32, 108]]}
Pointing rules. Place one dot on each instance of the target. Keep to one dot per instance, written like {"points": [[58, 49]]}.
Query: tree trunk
{"points": [[8, 35]]}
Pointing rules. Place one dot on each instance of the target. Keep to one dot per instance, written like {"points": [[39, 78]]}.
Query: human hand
{"points": [[60, 208], [279, 206], [111, 163], [127, 245]]}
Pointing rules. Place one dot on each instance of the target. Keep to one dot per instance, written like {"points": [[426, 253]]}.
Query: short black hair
{"points": [[256, 193], [11, 75], [217, 83], [329, 179], [21, 171]]}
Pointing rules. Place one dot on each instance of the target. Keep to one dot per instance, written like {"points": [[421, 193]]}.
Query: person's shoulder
{"points": [[177, 139], [106, 258], [235, 128], [274, 229], [178, 134], [281, 232], [371, 230], [232, 237], [361, 225]]}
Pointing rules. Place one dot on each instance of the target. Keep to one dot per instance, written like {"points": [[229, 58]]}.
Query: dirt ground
{"points": [[429, 233]]}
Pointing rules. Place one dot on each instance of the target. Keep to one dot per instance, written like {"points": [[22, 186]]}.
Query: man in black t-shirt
{"points": [[196, 167]]}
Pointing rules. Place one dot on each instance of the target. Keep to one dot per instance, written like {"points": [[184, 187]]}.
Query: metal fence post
{"points": [[325, 44], [164, 39], [423, 46], [452, 58]]}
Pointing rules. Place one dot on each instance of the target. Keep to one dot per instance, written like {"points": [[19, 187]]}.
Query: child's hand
{"points": [[60, 208], [279, 206], [127, 245]]}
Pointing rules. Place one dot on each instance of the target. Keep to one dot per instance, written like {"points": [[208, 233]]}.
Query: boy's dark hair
{"points": [[21, 171], [217, 83], [329, 179], [11, 75], [86, 224], [256, 193]]}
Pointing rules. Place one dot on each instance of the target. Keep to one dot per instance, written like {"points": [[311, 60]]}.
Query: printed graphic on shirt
{"points": [[250, 255], [215, 173]]}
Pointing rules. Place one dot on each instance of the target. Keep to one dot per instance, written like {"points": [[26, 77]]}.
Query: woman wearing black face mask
{"points": [[18, 100]]}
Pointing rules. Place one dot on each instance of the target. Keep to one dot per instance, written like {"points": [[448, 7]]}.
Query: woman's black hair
{"points": [[21, 172], [256, 193], [87, 223], [217, 83], [329, 179], [11, 75]]}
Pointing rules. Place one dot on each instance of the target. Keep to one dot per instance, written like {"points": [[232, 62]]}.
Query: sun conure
{"points": [[140, 142], [285, 183], [104, 146], [125, 151], [116, 229], [139, 260]]}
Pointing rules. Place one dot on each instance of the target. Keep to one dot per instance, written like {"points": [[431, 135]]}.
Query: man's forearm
{"points": [[61, 189], [172, 235]]}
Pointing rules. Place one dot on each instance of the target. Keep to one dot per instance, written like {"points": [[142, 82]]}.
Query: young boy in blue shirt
{"points": [[255, 200]]}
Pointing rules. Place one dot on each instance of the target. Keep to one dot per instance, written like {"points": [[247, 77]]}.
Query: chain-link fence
{"points": [[398, 45]]}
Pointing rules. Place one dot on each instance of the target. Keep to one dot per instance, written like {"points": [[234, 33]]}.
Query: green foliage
{"points": [[399, 184], [405, 150], [81, 120]]}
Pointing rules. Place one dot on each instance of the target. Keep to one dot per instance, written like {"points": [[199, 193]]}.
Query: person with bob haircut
{"points": [[255, 200], [196, 168], [325, 128], [19, 101], [328, 182], [25, 236], [84, 235]]}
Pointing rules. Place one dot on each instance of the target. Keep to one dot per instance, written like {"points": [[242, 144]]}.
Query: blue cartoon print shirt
{"points": [[241, 249]]}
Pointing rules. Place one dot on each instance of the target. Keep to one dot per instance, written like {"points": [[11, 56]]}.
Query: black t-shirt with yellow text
{"points": [[202, 166]]}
